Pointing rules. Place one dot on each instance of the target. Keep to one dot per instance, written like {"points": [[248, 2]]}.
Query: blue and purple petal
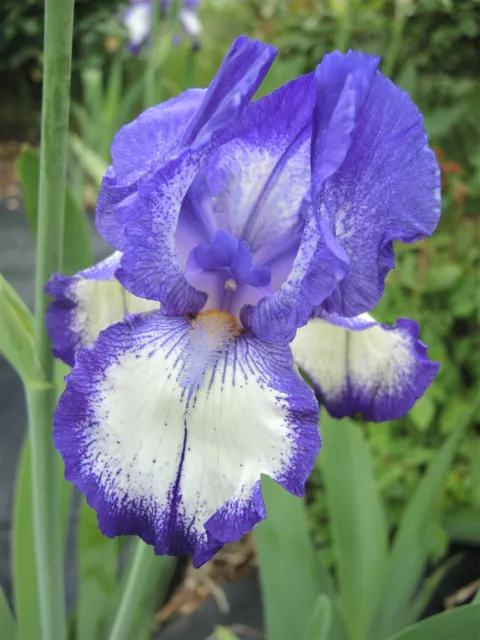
{"points": [[387, 186]]}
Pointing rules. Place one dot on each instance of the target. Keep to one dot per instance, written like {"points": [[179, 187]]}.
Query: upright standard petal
{"points": [[180, 465], [359, 365], [259, 180], [260, 186], [86, 303], [151, 267], [139, 149], [387, 186], [165, 133]]}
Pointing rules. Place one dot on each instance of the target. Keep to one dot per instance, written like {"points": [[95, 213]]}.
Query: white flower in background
{"points": [[138, 20]]}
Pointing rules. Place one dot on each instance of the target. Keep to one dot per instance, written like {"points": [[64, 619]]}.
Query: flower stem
{"points": [[51, 203], [142, 578], [152, 62]]}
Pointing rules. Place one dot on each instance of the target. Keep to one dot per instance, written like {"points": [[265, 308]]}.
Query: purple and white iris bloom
{"points": [[249, 237], [137, 20]]}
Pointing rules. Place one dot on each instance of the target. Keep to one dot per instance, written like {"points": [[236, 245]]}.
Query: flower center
{"points": [[210, 334], [230, 261]]}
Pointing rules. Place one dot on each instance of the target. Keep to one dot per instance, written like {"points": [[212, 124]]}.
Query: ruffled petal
{"points": [[164, 133], [182, 469], [86, 303], [387, 186], [260, 183], [318, 267], [258, 180], [359, 365], [151, 265], [232, 88], [139, 149]]}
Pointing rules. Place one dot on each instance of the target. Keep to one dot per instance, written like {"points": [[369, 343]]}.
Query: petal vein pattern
{"points": [[359, 365], [183, 470], [387, 186], [86, 303]]}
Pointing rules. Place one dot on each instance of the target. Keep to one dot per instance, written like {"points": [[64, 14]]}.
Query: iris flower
{"points": [[251, 238], [138, 20]]}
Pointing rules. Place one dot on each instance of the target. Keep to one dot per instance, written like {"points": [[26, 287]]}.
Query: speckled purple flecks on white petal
{"points": [[359, 365], [258, 180], [151, 266], [387, 187], [140, 149], [182, 470], [86, 303]]}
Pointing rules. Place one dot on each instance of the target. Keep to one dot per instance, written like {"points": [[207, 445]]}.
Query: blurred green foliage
{"points": [[21, 33]]}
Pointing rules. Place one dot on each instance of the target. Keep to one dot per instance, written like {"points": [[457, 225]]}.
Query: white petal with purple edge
{"points": [[177, 466], [86, 303], [359, 365], [259, 180]]}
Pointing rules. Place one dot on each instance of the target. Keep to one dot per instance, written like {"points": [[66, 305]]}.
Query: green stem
{"points": [[151, 71], [398, 26], [41, 403], [342, 37], [146, 572]]}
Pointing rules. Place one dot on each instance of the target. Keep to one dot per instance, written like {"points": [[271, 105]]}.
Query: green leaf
{"points": [[25, 588], [126, 109], [440, 121], [462, 623], [77, 253], [16, 337], [93, 98], [427, 591], [408, 80], [97, 560], [422, 413], [93, 164], [223, 633], [28, 168], [410, 550], [8, 627], [443, 277], [357, 522], [290, 574], [463, 525], [111, 102], [141, 589], [320, 622]]}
